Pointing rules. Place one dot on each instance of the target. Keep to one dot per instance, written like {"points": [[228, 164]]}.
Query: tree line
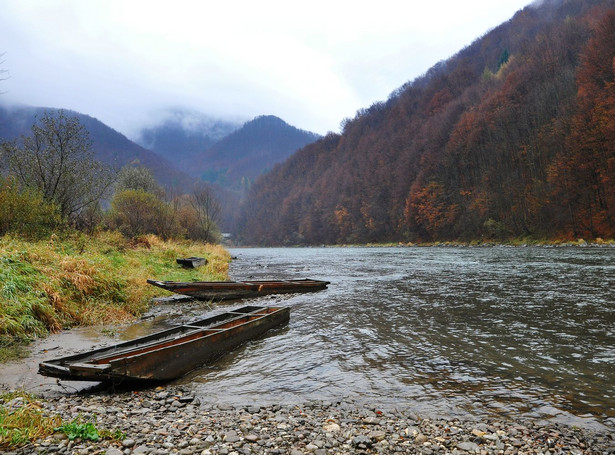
{"points": [[512, 137], [50, 180]]}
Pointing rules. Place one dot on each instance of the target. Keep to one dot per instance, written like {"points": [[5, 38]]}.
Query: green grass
{"points": [[24, 423], [23, 420], [48, 285]]}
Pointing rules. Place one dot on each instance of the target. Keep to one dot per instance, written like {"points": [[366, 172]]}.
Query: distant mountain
{"points": [[236, 160], [108, 145], [183, 133], [513, 137]]}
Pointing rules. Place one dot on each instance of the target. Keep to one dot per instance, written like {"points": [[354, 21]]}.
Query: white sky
{"points": [[310, 63]]}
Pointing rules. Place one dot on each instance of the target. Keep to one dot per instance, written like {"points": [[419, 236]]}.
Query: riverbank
{"points": [[521, 242], [173, 420], [78, 280]]}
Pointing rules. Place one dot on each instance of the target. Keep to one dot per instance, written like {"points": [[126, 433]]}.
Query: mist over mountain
{"points": [[180, 133], [511, 137], [108, 145]]}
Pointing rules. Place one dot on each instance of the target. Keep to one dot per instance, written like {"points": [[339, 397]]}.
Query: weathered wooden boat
{"points": [[191, 262], [169, 354], [227, 290]]}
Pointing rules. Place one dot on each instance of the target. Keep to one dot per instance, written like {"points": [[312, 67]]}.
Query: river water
{"points": [[522, 332], [484, 331]]}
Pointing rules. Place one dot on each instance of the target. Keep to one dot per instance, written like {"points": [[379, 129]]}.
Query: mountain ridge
{"points": [[184, 133], [247, 152], [479, 147]]}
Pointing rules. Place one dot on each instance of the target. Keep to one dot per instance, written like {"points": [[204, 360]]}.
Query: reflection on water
{"points": [[517, 331]]}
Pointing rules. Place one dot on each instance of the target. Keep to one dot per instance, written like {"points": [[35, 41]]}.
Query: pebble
{"points": [[172, 420]]}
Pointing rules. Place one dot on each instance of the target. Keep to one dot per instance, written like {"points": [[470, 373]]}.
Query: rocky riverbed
{"points": [[172, 420]]}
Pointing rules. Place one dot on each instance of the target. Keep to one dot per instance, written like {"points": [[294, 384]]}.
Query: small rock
{"points": [[377, 435], [231, 436], [251, 438], [421, 438], [332, 428], [468, 446], [114, 451], [361, 440], [128, 442]]}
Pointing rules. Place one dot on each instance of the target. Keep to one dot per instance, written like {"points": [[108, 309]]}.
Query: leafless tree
{"points": [[4, 73], [58, 161], [207, 209]]}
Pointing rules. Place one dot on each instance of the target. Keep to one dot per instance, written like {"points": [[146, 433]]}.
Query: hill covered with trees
{"points": [[511, 137], [237, 159], [109, 146]]}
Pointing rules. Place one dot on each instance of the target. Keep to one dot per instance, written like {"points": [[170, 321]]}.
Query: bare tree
{"points": [[4, 74], [57, 160], [207, 210]]}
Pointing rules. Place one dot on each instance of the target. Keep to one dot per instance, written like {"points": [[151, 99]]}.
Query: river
{"points": [[524, 332], [447, 331]]}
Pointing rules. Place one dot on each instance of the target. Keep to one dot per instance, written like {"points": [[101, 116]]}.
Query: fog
{"points": [[132, 64]]}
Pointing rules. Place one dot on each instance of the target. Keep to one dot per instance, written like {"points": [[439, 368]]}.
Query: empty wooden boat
{"points": [[191, 262], [169, 354], [227, 290]]}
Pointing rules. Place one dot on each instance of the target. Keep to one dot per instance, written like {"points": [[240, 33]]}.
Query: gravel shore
{"points": [[171, 420]]}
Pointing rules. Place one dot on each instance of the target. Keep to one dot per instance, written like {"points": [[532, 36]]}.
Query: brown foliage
{"points": [[476, 148]]}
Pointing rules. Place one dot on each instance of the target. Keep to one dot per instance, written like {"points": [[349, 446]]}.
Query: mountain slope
{"points": [[108, 145], [183, 134], [485, 145], [248, 152]]}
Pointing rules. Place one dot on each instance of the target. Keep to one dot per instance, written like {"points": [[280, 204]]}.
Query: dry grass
{"points": [[24, 420], [64, 282]]}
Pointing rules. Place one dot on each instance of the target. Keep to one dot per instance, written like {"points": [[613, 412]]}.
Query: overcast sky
{"points": [[310, 63]]}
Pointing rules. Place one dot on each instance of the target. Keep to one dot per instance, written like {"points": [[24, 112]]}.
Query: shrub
{"points": [[137, 212], [24, 212]]}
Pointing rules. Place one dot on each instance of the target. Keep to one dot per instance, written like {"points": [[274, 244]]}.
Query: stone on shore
{"points": [[172, 421]]}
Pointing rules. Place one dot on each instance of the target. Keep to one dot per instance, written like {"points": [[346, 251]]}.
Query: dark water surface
{"points": [[524, 332]]}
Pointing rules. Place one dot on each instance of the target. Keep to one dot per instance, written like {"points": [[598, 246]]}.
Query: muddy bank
{"points": [[23, 374]]}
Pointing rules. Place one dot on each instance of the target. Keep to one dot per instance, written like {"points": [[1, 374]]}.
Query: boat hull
{"points": [[169, 354], [232, 290], [191, 262]]}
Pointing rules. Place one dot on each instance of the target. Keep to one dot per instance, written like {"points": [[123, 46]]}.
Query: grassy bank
{"points": [[57, 283]]}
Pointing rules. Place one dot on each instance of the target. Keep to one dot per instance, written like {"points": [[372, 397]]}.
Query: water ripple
{"points": [[518, 331]]}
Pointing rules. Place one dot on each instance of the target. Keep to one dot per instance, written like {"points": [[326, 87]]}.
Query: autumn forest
{"points": [[513, 137]]}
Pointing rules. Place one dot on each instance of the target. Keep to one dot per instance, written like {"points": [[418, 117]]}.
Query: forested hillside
{"points": [[237, 159], [514, 136], [108, 145]]}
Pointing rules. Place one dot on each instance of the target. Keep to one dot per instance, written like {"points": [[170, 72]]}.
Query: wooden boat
{"points": [[169, 354], [191, 262], [227, 290]]}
